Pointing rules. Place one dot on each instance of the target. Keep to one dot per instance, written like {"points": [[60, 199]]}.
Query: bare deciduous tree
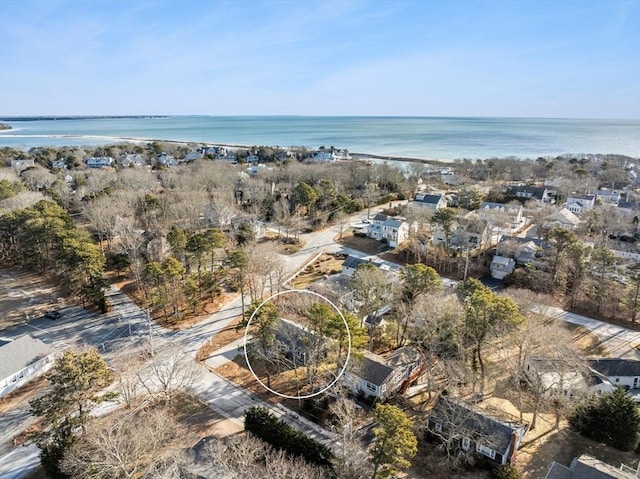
{"points": [[169, 371], [247, 457], [126, 449]]}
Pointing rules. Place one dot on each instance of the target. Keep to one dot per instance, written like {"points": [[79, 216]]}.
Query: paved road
{"points": [[621, 342], [127, 326]]}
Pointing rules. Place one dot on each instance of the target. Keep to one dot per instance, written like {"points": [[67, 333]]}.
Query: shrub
{"points": [[261, 423], [613, 419], [505, 472]]}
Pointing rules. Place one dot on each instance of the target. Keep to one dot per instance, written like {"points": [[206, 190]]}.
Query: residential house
{"points": [[565, 377], [473, 233], [297, 343], [461, 425], [508, 217], [523, 192], [579, 204], [342, 154], [607, 197], [59, 164], [192, 156], [378, 378], [620, 372], [323, 155], [22, 360], [165, 159], [351, 264], [561, 219], [383, 228], [433, 202], [132, 160], [376, 319], [252, 159], [588, 467], [216, 151], [523, 250], [629, 208], [99, 161], [21, 165], [502, 266]]}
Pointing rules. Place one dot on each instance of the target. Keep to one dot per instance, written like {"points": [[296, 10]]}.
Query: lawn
{"points": [[325, 265]]}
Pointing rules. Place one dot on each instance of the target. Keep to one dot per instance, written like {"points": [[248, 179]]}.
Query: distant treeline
{"points": [[97, 117]]}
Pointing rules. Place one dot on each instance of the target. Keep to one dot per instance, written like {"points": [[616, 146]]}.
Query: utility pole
{"points": [[466, 264]]}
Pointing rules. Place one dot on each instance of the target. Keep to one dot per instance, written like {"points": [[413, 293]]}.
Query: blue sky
{"points": [[560, 58]]}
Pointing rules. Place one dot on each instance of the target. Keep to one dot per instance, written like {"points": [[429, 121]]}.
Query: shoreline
{"points": [[361, 156], [131, 139]]}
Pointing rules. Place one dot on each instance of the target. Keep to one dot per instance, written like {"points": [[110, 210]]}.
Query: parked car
{"points": [[52, 314]]}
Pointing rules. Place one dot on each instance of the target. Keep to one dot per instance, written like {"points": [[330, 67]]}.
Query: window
{"points": [[371, 387], [617, 380], [465, 443], [486, 451], [438, 427]]}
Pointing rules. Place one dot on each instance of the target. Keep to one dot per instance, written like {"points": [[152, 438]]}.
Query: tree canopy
{"points": [[76, 383], [395, 443], [612, 418]]}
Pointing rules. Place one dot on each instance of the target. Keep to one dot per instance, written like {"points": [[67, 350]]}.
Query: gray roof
{"points": [[503, 260], [373, 369], [432, 199], [616, 367], [474, 423], [353, 262], [17, 355], [586, 467], [540, 243], [558, 471], [630, 205], [405, 356], [393, 223], [380, 217], [536, 192]]}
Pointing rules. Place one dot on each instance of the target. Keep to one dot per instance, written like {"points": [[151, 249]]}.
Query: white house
{"points": [[468, 428], [351, 264], [523, 250], [99, 161], [165, 159], [502, 266], [393, 231], [433, 202], [377, 377], [342, 154], [607, 196], [620, 372], [322, 155], [524, 192], [253, 159], [579, 204], [132, 159], [59, 164], [498, 214], [22, 360], [562, 219]]}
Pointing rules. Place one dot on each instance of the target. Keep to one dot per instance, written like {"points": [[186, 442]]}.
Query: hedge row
{"points": [[261, 423]]}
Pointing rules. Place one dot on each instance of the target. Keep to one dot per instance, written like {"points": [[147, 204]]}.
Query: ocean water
{"points": [[439, 138]]}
